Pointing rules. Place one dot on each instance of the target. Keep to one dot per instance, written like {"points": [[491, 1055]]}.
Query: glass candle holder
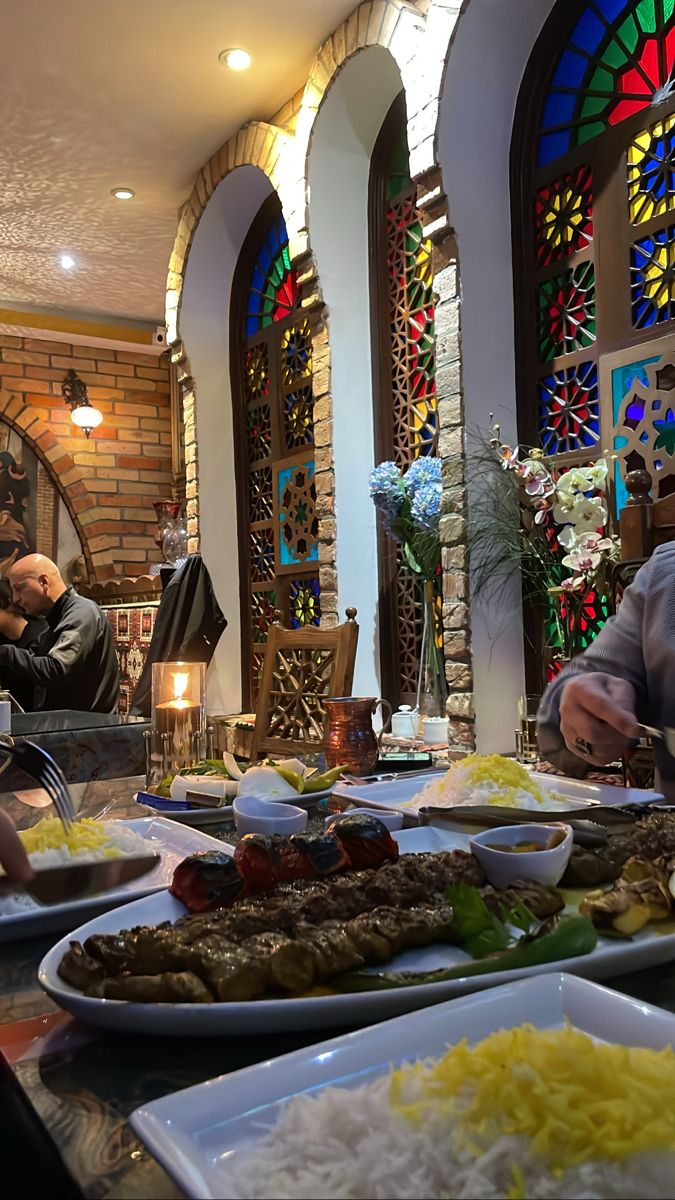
{"points": [[178, 719]]}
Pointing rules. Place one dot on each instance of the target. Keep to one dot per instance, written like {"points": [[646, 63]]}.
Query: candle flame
{"points": [[180, 682]]}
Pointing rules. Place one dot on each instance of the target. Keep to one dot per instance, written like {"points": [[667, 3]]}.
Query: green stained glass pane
{"points": [[590, 131], [615, 55], [593, 105], [668, 7], [646, 15]]}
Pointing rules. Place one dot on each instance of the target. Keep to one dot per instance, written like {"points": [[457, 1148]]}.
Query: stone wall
{"points": [[418, 36], [109, 481]]}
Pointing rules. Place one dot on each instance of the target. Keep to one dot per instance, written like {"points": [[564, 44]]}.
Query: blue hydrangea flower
{"points": [[426, 506], [386, 489], [420, 473]]}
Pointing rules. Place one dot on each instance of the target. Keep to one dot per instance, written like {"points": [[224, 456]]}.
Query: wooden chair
{"points": [[301, 668], [644, 523]]}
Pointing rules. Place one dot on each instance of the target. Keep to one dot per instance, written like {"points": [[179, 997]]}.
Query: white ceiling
{"points": [[101, 93]]}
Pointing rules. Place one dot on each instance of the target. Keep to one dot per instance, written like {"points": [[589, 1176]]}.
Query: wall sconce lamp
{"points": [[82, 413]]}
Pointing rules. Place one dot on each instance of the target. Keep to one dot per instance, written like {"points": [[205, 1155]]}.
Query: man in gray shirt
{"points": [[74, 663], [589, 715]]}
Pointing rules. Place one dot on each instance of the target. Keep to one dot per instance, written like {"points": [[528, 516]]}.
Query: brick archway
{"points": [[62, 470]]}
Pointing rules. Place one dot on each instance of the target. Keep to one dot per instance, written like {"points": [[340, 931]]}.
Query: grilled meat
{"points": [[217, 969], [650, 837], [261, 861]]}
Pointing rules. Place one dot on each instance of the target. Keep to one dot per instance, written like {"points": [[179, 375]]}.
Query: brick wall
{"points": [[109, 482]]}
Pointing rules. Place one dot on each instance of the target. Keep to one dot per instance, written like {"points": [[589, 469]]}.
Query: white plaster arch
{"points": [[343, 137], [205, 334], [490, 50]]}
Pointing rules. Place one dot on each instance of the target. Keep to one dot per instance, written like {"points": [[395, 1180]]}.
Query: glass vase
{"points": [[174, 543], [431, 686]]}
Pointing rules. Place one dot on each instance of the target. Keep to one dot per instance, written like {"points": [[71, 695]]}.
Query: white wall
{"points": [[344, 134], [485, 67], [205, 332]]}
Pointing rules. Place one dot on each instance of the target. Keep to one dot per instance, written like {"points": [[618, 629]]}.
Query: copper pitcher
{"points": [[350, 737]]}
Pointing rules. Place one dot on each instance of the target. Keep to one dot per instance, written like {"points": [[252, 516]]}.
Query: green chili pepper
{"points": [[571, 937], [321, 783]]}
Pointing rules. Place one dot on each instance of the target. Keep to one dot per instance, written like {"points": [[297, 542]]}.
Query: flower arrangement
{"points": [[559, 511], [410, 504]]}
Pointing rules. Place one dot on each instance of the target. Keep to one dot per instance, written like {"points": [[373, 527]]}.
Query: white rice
{"points": [[340, 1143], [127, 843], [451, 789]]}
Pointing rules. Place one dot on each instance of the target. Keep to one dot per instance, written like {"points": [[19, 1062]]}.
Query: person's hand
{"points": [[597, 711], [13, 857]]}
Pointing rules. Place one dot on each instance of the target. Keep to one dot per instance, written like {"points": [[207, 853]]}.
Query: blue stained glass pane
{"points": [[571, 70], [258, 278], [558, 110], [552, 146], [588, 32], [251, 326], [613, 8]]}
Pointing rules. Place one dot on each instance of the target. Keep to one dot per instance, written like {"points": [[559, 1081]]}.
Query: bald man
{"points": [[74, 664]]}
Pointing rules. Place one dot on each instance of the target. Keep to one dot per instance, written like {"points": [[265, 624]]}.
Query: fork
{"points": [[35, 761]]}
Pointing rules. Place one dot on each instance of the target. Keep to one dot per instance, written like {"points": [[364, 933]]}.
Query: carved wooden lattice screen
{"points": [[274, 430], [593, 184], [406, 407]]}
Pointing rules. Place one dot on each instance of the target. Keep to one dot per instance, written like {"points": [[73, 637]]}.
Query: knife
{"points": [[57, 885]]}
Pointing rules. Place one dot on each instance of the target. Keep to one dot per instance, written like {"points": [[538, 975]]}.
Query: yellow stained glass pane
{"points": [[650, 169]]}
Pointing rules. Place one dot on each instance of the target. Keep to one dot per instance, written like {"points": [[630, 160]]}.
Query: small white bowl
{"points": [[393, 820], [254, 815], [502, 867]]}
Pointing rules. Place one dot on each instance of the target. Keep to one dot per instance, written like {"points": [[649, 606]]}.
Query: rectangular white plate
{"points": [[173, 842], [649, 947], [403, 794], [196, 1133]]}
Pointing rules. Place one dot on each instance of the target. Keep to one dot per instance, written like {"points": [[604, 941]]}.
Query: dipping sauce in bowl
{"points": [[538, 852]]}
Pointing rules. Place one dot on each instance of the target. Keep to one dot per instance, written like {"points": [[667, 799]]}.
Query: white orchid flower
{"points": [[589, 515], [597, 474]]}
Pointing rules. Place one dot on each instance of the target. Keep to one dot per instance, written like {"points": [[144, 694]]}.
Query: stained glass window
{"points": [[617, 61], [563, 215], [405, 377], [566, 312], [652, 269], [569, 409], [273, 287], [594, 227], [651, 172], [274, 427]]}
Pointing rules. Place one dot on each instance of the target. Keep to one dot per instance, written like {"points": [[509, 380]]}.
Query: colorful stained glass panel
{"points": [[259, 432], [263, 605], [260, 494], [569, 409], [273, 289], [563, 216], [256, 372], [651, 172], [304, 603], [299, 418], [261, 545], [618, 60], [412, 312], [566, 312], [298, 525], [652, 272], [296, 354]]}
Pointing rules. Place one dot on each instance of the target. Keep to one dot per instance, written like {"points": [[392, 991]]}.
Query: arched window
{"points": [[593, 184], [406, 409], [271, 356]]}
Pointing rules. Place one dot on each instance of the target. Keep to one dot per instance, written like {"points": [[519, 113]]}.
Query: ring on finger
{"points": [[584, 747]]}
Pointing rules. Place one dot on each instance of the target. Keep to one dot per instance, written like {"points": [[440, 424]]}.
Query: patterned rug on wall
{"points": [[132, 627]]}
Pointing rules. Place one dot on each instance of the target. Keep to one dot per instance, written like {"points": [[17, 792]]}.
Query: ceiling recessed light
{"points": [[123, 193], [67, 262], [235, 58]]}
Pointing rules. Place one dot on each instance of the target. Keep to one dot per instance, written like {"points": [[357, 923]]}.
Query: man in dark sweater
{"points": [[74, 664]]}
